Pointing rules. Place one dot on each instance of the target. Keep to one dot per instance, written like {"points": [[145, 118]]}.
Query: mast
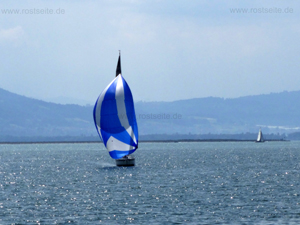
{"points": [[118, 70]]}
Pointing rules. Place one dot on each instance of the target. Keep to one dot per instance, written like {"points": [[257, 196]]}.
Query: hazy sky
{"points": [[171, 49]]}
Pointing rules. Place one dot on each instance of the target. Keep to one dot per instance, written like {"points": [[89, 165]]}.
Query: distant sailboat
{"points": [[115, 120], [260, 137]]}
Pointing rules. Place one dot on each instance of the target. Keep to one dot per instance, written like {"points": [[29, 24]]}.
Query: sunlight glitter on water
{"points": [[188, 183]]}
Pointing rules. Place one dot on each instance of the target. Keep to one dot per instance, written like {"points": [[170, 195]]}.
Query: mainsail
{"points": [[115, 119], [260, 136]]}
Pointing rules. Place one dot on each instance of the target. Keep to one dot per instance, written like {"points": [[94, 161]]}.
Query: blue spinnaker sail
{"points": [[115, 118]]}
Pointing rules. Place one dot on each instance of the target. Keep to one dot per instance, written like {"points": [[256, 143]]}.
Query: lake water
{"points": [[172, 183]]}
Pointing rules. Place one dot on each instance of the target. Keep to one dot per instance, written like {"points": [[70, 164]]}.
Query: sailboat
{"points": [[115, 120], [260, 137]]}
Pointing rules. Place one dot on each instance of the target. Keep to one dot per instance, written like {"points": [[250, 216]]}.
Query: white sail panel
{"points": [[114, 144]]}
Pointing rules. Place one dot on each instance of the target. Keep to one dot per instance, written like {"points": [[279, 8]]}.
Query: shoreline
{"points": [[143, 141]]}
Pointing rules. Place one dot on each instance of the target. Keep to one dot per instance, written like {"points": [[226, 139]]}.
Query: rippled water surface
{"points": [[172, 183]]}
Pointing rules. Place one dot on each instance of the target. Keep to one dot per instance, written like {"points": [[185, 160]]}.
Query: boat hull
{"points": [[125, 162]]}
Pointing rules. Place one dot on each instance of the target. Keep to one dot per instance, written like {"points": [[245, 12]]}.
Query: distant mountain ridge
{"points": [[22, 116], [274, 113]]}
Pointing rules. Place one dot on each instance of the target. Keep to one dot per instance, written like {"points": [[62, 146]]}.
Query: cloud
{"points": [[166, 46], [13, 35]]}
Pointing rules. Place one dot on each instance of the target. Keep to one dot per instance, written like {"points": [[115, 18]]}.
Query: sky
{"points": [[170, 49]]}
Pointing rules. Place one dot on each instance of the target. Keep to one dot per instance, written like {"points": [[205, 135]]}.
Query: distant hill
{"points": [[22, 116], [274, 113]]}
